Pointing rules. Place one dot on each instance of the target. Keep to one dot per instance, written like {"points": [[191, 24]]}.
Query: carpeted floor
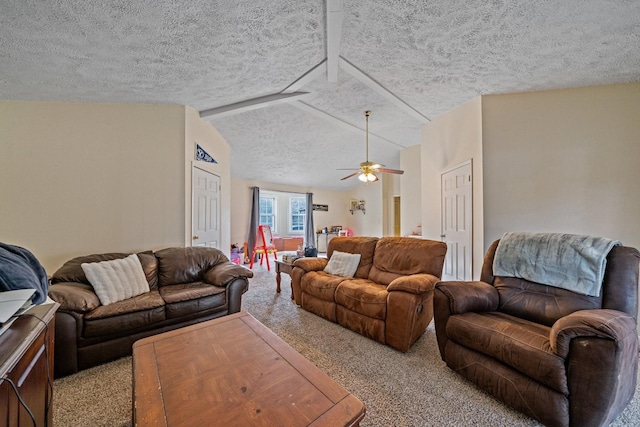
{"points": [[398, 389]]}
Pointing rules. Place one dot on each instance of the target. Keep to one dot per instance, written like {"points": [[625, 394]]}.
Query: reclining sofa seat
{"points": [[187, 285], [390, 297], [560, 357]]}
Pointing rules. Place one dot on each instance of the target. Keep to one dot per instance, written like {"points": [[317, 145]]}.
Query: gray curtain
{"points": [[309, 229], [253, 220]]}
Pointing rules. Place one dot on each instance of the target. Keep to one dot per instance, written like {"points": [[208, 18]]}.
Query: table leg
{"points": [[278, 277]]}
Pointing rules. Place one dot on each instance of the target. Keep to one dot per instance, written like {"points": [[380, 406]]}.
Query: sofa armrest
{"points": [[73, 296], [226, 272], [414, 283], [469, 296], [311, 263], [610, 324]]}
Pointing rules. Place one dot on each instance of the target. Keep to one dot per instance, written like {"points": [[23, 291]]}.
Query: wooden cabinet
{"points": [[26, 358], [287, 243]]}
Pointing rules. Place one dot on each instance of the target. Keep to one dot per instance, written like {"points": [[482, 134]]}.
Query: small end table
{"points": [[283, 267]]}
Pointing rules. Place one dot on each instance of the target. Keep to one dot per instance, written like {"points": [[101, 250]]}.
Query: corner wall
{"points": [[563, 161], [448, 141], [411, 194], [80, 178], [202, 132]]}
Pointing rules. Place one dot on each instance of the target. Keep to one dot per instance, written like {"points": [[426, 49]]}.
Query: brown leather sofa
{"points": [[390, 297], [187, 285], [560, 357]]}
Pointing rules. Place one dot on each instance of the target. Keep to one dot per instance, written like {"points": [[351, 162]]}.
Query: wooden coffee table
{"points": [[283, 267], [233, 371]]}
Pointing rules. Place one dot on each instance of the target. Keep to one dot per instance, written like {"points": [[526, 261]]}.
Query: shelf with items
{"points": [[357, 205]]}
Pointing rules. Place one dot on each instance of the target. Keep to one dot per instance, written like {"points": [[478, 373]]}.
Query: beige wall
{"points": [[371, 222], [448, 141], [410, 192], [202, 132], [391, 188], [563, 161], [79, 178], [557, 161]]}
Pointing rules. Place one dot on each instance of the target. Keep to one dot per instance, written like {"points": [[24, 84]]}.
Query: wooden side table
{"points": [[283, 267]]}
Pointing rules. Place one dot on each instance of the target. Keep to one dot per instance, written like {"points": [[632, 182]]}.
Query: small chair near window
{"points": [[264, 246]]}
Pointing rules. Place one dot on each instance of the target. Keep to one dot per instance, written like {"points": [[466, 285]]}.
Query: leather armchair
{"points": [[560, 357]]}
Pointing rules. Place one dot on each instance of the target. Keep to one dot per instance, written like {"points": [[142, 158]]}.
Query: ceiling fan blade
{"points": [[349, 176], [347, 169], [396, 171]]}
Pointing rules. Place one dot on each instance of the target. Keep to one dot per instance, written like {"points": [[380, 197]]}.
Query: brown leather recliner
{"points": [[560, 357]]}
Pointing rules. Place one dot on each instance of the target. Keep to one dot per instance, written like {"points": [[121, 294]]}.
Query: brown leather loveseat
{"points": [[389, 298], [187, 285], [561, 357]]}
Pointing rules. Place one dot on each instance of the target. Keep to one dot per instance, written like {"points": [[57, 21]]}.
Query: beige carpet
{"points": [[399, 389]]}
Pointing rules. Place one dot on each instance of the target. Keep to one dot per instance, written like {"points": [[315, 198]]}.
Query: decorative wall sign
{"points": [[323, 208], [203, 156]]}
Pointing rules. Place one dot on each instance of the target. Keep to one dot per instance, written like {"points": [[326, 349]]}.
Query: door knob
{"points": [[195, 237]]}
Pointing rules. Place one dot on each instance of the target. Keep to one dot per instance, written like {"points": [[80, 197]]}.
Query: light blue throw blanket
{"points": [[567, 261]]}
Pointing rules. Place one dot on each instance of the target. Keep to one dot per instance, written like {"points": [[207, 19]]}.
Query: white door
{"points": [[206, 209], [456, 187]]}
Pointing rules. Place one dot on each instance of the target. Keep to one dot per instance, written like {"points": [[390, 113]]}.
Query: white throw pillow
{"points": [[343, 264], [116, 280]]}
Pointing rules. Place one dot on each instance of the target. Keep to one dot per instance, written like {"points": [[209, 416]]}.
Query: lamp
{"points": [[367, 177]]}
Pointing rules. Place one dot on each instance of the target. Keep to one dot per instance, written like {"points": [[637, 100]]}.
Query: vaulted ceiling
{"points": [[286, 81]]}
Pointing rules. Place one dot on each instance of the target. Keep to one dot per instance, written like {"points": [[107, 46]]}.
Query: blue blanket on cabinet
{"points": [[19, 269]]}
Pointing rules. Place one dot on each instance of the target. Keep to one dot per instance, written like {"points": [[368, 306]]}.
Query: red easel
{"points": [[264, 246]]}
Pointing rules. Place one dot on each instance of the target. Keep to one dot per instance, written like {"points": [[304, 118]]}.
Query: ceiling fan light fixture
{"points": [[367, 171], [367, 177]]}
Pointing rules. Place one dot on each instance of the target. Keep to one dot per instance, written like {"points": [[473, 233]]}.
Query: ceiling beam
{"points": [[390, 96], [252, 104], [308, 77], [338, 122], [335, 15]]}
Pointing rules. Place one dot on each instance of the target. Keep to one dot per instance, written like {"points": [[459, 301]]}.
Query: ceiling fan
{"points": [[367, 170]]}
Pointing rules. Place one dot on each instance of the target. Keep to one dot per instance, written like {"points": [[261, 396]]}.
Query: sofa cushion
{"points": [[74, 296], [342, 264], [120, 318], [516, 342], [188, 291], [71, 271], [403, 256], [365, 246], [116, 280], [185, 265], [363, 296], [151, 299], [320, 284], [191, 299], [540, 303]]}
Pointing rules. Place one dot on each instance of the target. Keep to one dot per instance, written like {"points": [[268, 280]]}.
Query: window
{"points": [[268, 212], [297, 211]]}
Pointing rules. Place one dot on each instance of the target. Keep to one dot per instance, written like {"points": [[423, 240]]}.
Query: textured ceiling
{"points": [[407, 61]]}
